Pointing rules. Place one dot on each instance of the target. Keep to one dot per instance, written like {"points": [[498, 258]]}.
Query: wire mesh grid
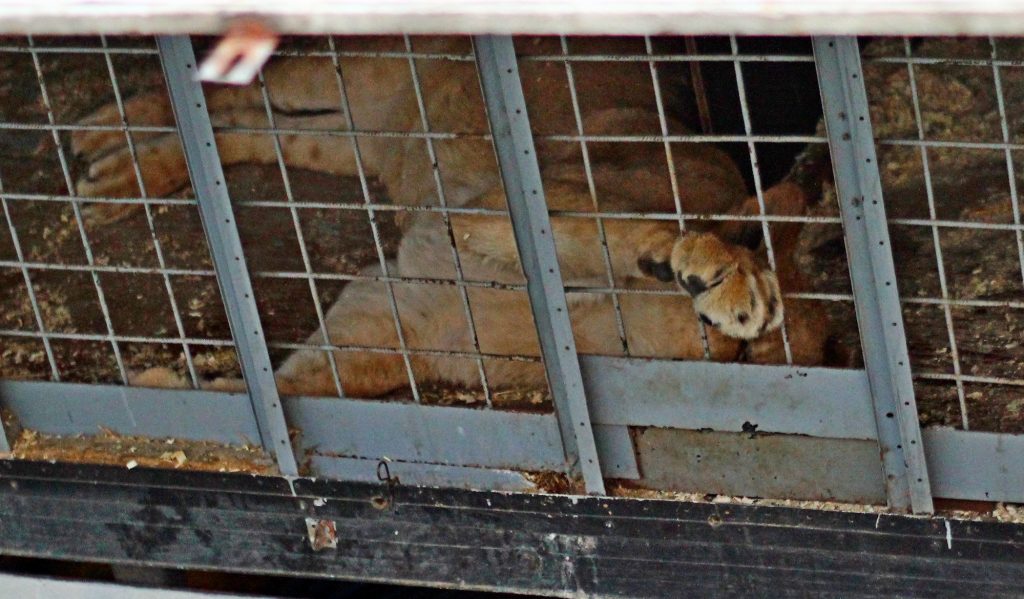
{"points": [[107, 310], [390, 232], [671, 80], [363, 175], [946, 128], [558, 123], [309, 234]]}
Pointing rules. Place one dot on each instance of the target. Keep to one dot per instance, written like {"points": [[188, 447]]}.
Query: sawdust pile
{"points": [[110, 448]]}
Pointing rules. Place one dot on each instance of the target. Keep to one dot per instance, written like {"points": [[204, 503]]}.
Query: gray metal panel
{"points": [[780, 466], [517, 159], [973, 465], [872, 272], [71, 408], [421, 475], [179, 63], [26, 587], [615, 447], [416, 433], [964, 465], [820, 402], [459, 436]]}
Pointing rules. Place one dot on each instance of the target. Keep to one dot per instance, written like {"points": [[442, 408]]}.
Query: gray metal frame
{"points": [[872, 271], [517, 158], [207, 176], [969, 465], [596, 400]]}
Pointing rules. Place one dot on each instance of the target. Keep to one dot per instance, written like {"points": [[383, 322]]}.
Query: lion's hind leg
{"points": [[368, 363]]}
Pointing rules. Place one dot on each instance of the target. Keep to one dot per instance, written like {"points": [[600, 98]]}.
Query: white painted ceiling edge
{"points": [[786, 17]]}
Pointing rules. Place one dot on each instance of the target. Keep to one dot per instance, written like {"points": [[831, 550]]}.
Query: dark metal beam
{"points": [[527, 543]]}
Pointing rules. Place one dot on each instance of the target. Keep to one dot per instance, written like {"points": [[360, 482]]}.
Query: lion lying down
{"points": [[729, 286]]}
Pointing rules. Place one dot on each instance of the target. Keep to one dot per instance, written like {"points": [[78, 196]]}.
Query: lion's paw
{"points": [[111, 169], [161, 163], [158, 377], [103, 132], [731, 291]]}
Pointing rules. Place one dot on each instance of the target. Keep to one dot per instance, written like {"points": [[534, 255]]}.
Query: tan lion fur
{"points": [[743, 304]]}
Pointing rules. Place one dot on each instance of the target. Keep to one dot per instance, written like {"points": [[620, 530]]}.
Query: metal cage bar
{"points": [[1004, 129], [188, 101], [592, 189], [673, 177], [371, 216], [37, 314], [872, 272], [755, 169], [520, 172]]}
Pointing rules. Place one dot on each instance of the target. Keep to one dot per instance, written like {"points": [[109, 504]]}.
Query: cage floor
{"points": [[989, 339], [132, 452]]}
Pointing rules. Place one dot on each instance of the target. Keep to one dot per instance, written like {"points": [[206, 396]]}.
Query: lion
{"points": [[727, 288]]}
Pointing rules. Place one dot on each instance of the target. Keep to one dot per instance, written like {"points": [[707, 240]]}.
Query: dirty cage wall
{"points": [[624, 415]]}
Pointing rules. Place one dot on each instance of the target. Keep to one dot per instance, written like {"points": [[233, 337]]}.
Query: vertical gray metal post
{"points": [[218, 218], [5, 443], [531, 223], [872, 271]]}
